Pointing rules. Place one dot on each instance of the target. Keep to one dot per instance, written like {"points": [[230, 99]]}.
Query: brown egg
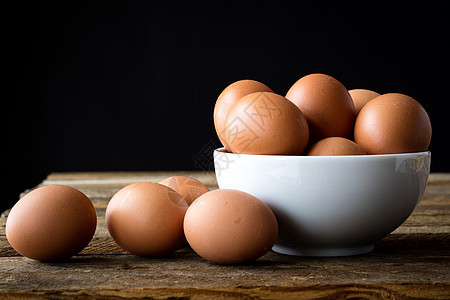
{"points": [[266, 123], [230, 227], [188, 187], [326, 104], [393, 123], [361, 97], [50, 223], [335, 146], [229, 96], [146, 219]]}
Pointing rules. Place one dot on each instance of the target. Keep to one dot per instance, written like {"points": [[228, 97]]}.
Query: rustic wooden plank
{"points": [[315, 291], [413, 261], [184, 272], [439, 179], [432, 244], [185, 269], [124, 178]]}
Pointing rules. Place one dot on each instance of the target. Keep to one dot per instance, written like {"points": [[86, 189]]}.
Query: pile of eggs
{"points": [[223, 226], [55, 222], [318, 116]]}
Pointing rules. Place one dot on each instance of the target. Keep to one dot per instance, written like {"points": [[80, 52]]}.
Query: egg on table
{"points": [[189, 188], [230, 227], [146, 219], [52, 222]]}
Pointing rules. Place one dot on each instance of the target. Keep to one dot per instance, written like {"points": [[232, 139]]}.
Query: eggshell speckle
{"points": [[393, 123], [326, 104], [189, 188], [52, 222], [335, 146], [230, 227], [229, 96], [266, 123], [146, 219]]}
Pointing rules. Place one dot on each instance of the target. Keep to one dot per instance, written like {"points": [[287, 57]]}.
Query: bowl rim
{"points": [[294, 156]]}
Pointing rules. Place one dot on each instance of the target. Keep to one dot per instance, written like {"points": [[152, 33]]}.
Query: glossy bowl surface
{"points": [[329, 205]]}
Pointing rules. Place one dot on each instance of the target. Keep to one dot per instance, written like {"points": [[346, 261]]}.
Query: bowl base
{"points": [[324, 251]]}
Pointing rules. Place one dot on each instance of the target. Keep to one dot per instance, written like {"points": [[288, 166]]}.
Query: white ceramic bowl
{"points": [[329, 205]]}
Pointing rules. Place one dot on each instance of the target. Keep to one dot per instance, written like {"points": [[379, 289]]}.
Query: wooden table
{"points": [[413, 261]]}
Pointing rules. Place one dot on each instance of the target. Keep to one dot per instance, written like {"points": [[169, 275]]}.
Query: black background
{"points": [[127, 85]]}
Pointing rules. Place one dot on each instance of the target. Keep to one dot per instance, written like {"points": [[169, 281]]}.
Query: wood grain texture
{"points": [[412, 262]]}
